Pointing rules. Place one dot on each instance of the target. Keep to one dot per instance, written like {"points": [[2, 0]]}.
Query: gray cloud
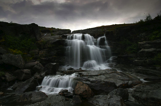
{"points": [[77, 14]]}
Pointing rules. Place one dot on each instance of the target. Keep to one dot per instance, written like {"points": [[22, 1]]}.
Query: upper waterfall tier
{"points": [[84, 51]]}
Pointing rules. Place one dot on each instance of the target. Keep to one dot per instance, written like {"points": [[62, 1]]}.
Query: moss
{"points": [[2, 73], [17, 44]]}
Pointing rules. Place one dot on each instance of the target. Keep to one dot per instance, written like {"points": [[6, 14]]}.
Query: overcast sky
{"points": [[77, 14]]}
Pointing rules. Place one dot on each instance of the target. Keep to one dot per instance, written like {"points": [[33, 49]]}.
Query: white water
{"points": [[54, 84], [87, 53]]}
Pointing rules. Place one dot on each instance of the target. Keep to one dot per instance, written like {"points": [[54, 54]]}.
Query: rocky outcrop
{"points": [[83, 90], [51, 69], [148, 94], [106, 100], [15, 60], [21, 99]]}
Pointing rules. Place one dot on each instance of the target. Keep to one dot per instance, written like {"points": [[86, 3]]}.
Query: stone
{"points": [[99, 87], [120, 92], [105, 100], [10, 77], [15, 60], [23, 74], [51, 69], [28, 85], [38, 67], [2, 51], [66, 93], [77, 99], [120, 79], [148, 94], [83, 90], [24, 98], [30, 65]]}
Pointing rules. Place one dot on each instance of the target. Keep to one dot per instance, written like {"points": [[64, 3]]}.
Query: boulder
{"points": [[110, 76], [25, 98], [51, 68], [2, 51], [99, 87], [66, 93], [83, 90], [148, 94], [37, 68], [10, 77], [120, 92], [23, 74], [28, 85], [77, 99], [15, 60], [106, 100]]}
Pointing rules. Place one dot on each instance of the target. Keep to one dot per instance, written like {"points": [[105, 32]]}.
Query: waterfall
{"points": [[85, 52], [54, 84]]}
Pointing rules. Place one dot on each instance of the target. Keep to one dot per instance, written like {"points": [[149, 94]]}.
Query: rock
{"points": [[30, 65], [28, 85], [9, 77], [83, 90], [66, 93], [150, 44], [77, 99], [129, 103], [148, 52], [99, 87], [54, 100], [23, 74], [1, 93], [38, 67], [2, 51], [25, 98], [120, 79], [105, 100], [15, 60], [51, 69], [120, 92], [148, 94]]}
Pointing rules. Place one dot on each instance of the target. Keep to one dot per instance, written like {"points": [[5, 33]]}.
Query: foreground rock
{"points": [[83, 90], [106, 100], [21, 99], [148, 94], [15, 60], [110, 76]]}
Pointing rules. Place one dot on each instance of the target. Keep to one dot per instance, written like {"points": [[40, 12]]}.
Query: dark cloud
{"points": [[76, 14]]}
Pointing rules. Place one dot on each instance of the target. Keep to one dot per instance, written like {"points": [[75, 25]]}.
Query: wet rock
{"points": [[83, 90], [120, 92], [37, 68], [51, 68], [28, 85], [66, 93], [23, 74], [25, 98], [148, 94], [99, 87], [54, 100], [106, 100], [120, 79], [30, 65], [76, 99], [9, 77], [15, 60]]}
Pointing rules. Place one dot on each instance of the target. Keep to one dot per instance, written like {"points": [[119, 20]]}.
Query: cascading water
{"points": [[54, 84], [87, 53]]}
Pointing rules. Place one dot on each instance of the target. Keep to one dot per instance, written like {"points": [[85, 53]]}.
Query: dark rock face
{"points": [[102, 86], [148, 94], [120, 92], [28, 85], [15, 60], [2, 51], [10, 77], [25, 98], [106, 100], [83, 90], [51, 68], [23, 74]]}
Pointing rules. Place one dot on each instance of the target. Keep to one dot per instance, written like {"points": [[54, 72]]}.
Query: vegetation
{"points": [[19, 45]]}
